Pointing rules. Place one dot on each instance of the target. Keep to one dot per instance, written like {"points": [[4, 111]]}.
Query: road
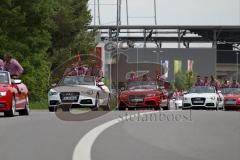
{"points": [[181, 135]]}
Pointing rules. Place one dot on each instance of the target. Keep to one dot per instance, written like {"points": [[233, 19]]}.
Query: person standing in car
{"points": [[225, 84], [206, 82], [12, 65], [199, 82], [234, 84], [214, 83]]}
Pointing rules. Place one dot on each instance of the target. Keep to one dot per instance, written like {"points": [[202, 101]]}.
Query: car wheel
{"points": [[26, 110], [107, 107], [96, 106], [11, 113]]}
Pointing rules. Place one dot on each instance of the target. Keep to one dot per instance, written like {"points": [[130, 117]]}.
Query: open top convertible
{"points": [[143, 94], [81, 91], [13, 96], [203, 97]]}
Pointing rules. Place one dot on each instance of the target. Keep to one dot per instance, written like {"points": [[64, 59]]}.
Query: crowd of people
{"points": [[216, 83], [11, 65]]}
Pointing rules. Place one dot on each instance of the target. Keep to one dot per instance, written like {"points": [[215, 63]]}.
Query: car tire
{"points": [[11, 113], [26, 110], [96, 105], [52, 109], [107, 107]]}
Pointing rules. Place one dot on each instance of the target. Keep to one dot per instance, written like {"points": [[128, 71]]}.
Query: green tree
{"points": [[71, 18], [24, 31]]}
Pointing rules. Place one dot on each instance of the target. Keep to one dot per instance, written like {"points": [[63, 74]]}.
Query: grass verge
{"points": [[39, 105]]}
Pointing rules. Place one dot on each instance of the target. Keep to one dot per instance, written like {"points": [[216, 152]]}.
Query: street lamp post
{"points": [[237, 53]]}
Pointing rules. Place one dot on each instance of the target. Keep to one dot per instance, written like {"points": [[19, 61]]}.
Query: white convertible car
{"points": [[203, 97], [81, 91]]}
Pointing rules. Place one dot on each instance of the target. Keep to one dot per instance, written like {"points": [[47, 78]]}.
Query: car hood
{"points": [[139, 91], [232, 96], [192, 95], [75, 88]]}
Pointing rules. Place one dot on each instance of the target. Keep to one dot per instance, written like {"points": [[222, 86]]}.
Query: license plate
{"points": [[137, 100], [198, 102], [230, 102], [69, 98]]}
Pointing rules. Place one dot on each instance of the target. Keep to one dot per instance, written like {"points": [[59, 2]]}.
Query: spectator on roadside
{"points": [[206, 82], [1, 65], [199, 82], [234, 84], [12, 65]]}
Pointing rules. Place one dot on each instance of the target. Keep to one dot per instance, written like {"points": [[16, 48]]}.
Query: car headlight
{"points": [[185, 98], [151, 95], [90, 92], [52, 93], [213, 98], [3, 93]]}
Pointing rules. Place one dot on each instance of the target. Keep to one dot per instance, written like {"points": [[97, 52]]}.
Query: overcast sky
{"points": [[171, 12]]}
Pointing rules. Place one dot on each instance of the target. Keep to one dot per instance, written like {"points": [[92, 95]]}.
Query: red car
{"points": [[143, 94], [13, 96], [231, 98]]}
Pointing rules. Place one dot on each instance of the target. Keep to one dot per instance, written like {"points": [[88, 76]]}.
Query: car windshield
{"points": [[77, 80], [202, 90], [4, 78], [231, 91], [142, 85]]}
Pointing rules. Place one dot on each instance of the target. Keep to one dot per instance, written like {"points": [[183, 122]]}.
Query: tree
{"points": [[24, 31], [71, 18]]}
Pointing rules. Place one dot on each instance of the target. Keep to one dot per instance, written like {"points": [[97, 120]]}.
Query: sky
{"points": [[170, 12]]}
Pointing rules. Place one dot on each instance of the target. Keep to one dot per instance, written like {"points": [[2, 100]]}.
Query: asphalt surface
{"points": [[180, 135]]}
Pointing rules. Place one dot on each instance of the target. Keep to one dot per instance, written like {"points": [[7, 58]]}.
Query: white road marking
{"points": [[83, 149]]}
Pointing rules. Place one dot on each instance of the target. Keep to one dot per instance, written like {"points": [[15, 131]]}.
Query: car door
{"points": [[20, 95]]}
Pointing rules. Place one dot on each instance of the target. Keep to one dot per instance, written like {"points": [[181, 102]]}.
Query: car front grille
{"points": [[198, 101], [69, 97], [136, 98]]}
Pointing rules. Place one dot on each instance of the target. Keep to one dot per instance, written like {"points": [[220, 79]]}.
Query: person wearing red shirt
{"points": [[225, 84], [206, 82], [234, 84], [199, 82]]}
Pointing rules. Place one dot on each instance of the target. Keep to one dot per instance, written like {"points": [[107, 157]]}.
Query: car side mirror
{"points": [[17, 81], [219, 91], [100, 84]]}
